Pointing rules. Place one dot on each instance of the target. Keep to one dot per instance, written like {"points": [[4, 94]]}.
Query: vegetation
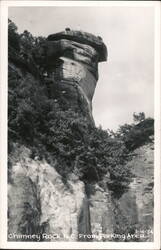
{"points": [[62, 135], [137, 134]]}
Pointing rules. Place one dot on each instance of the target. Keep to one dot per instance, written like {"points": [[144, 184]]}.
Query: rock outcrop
{"points": [[72, 59], [39, 201], [135, 207], [42, 204]]}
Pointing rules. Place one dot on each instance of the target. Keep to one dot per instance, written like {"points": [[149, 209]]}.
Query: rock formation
{"points": [[42, 205], [39, 202], [136, 205], [72, 59]]}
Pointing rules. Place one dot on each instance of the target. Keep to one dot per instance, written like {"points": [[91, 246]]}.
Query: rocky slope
{"points": [[41, 203]]}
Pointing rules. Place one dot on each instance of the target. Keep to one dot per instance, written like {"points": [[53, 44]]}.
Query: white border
{"points": [[3, 131]]}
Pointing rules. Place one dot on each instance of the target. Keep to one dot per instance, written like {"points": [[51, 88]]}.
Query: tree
{"points": [[136, 135], [13, 36], [139, 117]]}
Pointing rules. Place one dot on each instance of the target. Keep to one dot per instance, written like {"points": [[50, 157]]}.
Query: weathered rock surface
{"points": [[101, 212], [73, 57], [41, 203], [136, 205]]}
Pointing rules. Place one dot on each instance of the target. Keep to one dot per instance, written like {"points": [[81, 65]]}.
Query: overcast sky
{"points": [[126, 80]]}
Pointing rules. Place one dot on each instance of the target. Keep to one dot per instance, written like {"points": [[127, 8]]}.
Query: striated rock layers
{"points": [[72, 59]]}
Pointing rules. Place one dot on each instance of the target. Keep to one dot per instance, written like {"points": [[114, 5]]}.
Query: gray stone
{"points": [[73, 56]]}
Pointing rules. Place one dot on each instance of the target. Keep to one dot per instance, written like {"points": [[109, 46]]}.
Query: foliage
{"points": [[136, 135], [66, 136], [139, 117], [13, 37], [26, 49]]}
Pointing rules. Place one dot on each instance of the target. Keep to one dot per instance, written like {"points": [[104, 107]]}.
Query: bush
{"points": [[136, 135]]}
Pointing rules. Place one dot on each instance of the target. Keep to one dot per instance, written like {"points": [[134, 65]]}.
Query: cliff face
{"points": [[56, 190], [72, 59], [40, 200], [41, 203], [143, 183], [135, 207]]}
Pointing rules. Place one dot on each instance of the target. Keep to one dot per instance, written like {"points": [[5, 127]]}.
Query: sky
{"points": [[126, 80]]}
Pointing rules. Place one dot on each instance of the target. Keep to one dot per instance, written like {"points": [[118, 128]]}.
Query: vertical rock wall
{"points": [[136, 205], [101, 212], [72, 59], [41, 203]]}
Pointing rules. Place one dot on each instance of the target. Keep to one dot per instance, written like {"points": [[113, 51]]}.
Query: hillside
{"points": [[69, 180]]}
